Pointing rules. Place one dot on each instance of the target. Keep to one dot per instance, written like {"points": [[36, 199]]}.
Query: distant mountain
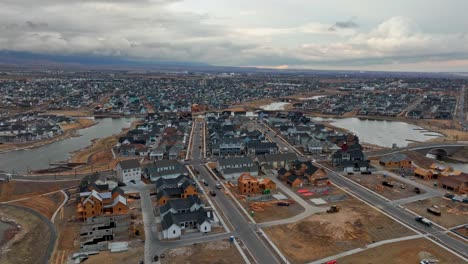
{"points": [[20, 58]]}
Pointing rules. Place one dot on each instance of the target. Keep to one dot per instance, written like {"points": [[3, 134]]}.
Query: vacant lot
{"points": [[30, 244], [133, 255], [212, 252], [453, 213], [45, 205], [373, 182], [411, 251], [322, 235], [266, 210], [16, 189]]}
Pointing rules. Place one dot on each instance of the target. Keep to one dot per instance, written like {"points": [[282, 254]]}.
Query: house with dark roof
{"points": [[176, 206], [173, 225], [181, 188], [232, 168], [458, 184], [276, 160], [128, 170], [256, 147], [163, 169], [397, 160]]}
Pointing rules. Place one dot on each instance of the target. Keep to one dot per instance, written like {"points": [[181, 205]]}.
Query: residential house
{"points": [[396, 161], [173, 224], [457, 184], [175, 206], [181, 187], [276, 160], [424, 174], [94, 204], [232, 168], [260, 148], [163, 169], [128, 170], [247, 184]]}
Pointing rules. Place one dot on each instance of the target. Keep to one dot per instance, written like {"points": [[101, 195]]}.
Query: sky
{"points": [[397, 35]]}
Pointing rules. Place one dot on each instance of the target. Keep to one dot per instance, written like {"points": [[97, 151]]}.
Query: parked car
{"points": [[212, 193], [218, 186], [205, 182]]}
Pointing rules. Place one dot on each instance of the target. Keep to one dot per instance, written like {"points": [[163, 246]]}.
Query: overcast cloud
{"points": [[322, 34]]}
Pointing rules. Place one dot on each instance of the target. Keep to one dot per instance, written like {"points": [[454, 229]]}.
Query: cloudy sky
{"points": [[407, 35]]}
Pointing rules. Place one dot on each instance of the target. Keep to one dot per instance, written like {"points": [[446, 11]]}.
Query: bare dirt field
{"points": [[133, 255], [373, 182], [17, 189], [30, 244], [419, 159], [78, 112], [323, 234], [411, 251], [462, 231], [453, 213], [45, 205], [212, 252]]}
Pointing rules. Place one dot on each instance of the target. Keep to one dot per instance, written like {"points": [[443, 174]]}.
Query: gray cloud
{"points": [[343, 25], [35, 25]]}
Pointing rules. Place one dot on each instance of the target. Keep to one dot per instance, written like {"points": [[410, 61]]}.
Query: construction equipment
{"points": [[388, 184], [333, 209], [434, 210]]}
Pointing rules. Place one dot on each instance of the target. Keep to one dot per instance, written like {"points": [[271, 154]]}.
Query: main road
{"points": [[435, 233], [242, 227]]}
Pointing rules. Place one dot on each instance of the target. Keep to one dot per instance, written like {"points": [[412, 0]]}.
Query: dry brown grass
{"points": [[410, 251], [16, 189], [453, 213], [45, 205], [30, 244], [133, 255], [322, 235], [212, 252]]}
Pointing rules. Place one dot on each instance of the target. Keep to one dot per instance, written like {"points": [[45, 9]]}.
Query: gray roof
{"points": [[394, 158], [129, 164], [180, 204], [277, 157], [250, 169], [169, 219], [235, 161]]}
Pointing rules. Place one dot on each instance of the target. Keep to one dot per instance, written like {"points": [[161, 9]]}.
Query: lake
{"points": [[379, 132], [274, 106], [39, 158]]}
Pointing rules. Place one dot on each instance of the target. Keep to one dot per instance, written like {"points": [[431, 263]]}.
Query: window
{"points": [[206, 228], [173, 232], [120, 209]]}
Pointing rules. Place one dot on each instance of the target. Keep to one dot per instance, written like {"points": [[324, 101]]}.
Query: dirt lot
{"points": [[133, 255], [463, 231], [322, 235], [16, 189], [211, 252], [270, 212], [453, 213], [45, 205], [411, 251], [30, 244], [374, 183]]}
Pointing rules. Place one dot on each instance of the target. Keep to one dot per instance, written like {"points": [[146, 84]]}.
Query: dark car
{"points": [[212, 193]]}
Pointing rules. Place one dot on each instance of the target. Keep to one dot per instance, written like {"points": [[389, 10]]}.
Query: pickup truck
{"points": [[423, 221]]}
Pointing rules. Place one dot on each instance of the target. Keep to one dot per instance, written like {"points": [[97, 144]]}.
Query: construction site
{"points": [[410, 251], [266, 207], [452, 213], [222, 251], [321, 196], [352, 224], [386, 186]]}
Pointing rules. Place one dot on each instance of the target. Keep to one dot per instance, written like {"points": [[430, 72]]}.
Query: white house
{"points": [[128, 170], [173, 223]]}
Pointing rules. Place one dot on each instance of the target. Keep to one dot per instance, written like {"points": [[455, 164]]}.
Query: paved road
{"points": [[436, 233], [308, 208], [242, 228], [50, 177]]}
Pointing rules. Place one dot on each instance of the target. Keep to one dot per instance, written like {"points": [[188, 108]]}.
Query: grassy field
{"points": [[453, 213], [323, 235], [45, 205], [17, 189], [411, 251], [30, 244], [212, 252]]}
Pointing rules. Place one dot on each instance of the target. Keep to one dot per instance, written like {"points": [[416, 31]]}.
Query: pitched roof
{"points": [[235, 161], [277, 157], [394, 158], [129, 164], [180, 204], [169, 219]]}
